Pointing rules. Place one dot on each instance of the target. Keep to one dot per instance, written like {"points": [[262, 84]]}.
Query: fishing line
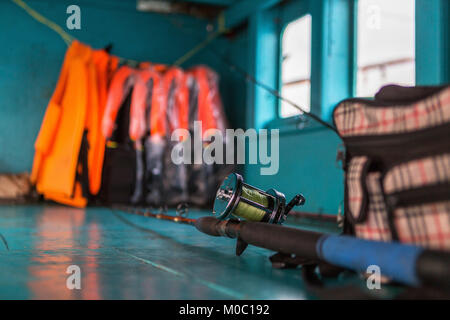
{"points": [[249, 212], [241, 71], [248, 77], [4, 241]]}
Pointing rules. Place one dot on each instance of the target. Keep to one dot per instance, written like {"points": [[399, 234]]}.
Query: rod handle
{"points": [[208, 225]]}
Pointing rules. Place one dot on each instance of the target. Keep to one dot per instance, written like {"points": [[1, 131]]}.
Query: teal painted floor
{"points": [[125, 256]]}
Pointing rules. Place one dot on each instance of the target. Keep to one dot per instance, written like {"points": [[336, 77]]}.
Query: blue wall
{"points": [[432, 42], [307, 166], [308, 155], [32, 54]]}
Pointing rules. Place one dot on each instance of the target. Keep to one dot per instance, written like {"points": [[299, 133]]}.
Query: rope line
{"points": [[196, 49], [40, 18], [244, 74], [248, 77], [221, 28], [203, 44], [67, 38]]}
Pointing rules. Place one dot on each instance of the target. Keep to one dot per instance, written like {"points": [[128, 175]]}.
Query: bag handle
{"points": [[356, 189]]}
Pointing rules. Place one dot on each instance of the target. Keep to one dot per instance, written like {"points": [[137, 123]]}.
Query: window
{"points": [[386, 44], [296, 66]]}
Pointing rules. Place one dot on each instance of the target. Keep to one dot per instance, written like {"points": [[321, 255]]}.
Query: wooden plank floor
{"points": [[124, 256]]}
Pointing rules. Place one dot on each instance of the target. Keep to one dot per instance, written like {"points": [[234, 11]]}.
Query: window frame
{"points": [[355, 47], [342, 62], [285, 23], [288, 13], [333, 80]]}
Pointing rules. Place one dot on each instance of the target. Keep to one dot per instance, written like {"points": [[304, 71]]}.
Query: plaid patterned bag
{"points": [[397, 181]]}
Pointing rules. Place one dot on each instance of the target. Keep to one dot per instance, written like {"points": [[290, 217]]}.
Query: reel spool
{"points": [[243, 201]]}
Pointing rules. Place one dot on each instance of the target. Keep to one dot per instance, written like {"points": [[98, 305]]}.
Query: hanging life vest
{"points": [[177, 101], [62, 160], [105, 66], [147, 97], [147, 101], [205, 106], [120, 87], [118, 176], [68, 159]]}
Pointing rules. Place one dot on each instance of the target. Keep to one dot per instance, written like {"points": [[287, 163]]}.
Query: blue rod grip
{"points": [[396, 261]]}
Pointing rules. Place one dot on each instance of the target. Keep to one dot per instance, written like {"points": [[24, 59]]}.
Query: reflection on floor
{"points": [[124, 256]]}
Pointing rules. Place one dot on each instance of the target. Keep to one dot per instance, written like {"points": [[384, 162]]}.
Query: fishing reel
{"points": [[238, 200]]}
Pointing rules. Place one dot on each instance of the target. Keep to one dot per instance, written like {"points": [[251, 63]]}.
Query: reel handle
{"points": [[298, 200]]}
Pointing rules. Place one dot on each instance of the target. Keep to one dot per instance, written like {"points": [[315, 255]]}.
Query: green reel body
{"points": [[240, 200]]}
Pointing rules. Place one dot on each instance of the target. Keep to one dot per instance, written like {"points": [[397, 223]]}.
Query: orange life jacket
{"points": [[121, 85], [176, 94], [57, 146], [209, 103], [67, 126], [139, 119], [105, 65]]}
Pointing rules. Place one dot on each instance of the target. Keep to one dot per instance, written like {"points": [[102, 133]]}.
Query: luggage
{"points": [[14, 187], [397, 166]]}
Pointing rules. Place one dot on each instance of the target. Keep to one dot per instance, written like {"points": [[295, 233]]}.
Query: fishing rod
{"points": [[407, 264], [242, 72], [161, 216], [249, 78]]}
